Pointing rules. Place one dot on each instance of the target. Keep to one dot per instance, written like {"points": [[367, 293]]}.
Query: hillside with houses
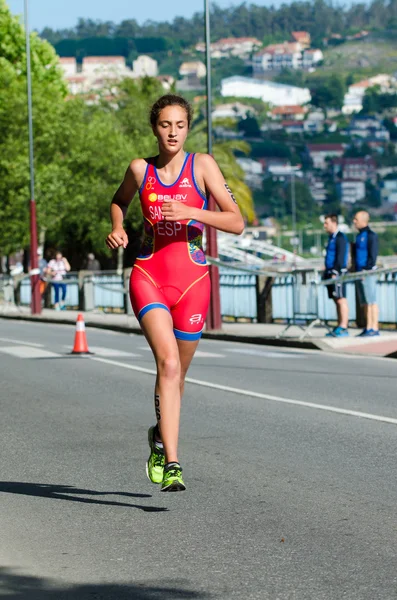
{"points": [[316, 102], [337, 137]]}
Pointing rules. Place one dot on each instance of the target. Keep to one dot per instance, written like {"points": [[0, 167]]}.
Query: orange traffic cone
{"points": [[80, 339]]}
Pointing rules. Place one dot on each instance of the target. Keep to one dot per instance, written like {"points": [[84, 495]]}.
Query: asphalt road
{"points": [[289, 460]]}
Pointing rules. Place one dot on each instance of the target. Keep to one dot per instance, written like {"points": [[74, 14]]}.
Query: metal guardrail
{"points": [[238, 294], [107, 291], [299, 296], [300, 299], [72, 290]]}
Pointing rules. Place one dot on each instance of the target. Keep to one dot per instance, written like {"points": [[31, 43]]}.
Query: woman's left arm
{"points": [[228, 219], [66, 263]]}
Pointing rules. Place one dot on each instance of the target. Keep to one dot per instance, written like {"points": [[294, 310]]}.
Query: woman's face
{"points": [[58, 256], [171, 129]]}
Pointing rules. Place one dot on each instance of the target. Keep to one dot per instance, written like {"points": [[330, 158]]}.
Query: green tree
{"points": [[372, 195], [270, 24], [328, 93], [306, 207], [49, 91], [391, 127], [358, 150], [371, 104], [333, 202], [249, 126], [91, 157]]}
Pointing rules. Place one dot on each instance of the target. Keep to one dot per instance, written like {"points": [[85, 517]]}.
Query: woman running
{"points": [[170, 285]]}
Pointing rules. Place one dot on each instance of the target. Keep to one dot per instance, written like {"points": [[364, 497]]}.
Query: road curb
{"points": [[261, 341]]}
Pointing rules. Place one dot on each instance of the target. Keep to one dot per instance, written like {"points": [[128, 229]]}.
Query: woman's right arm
{"points": [[120, 203]]}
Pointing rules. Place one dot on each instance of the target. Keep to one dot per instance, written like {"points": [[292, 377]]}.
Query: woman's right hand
{"points": [[117, 238]]}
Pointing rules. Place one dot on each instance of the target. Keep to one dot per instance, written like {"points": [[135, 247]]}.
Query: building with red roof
{"points": [[303, 37]]}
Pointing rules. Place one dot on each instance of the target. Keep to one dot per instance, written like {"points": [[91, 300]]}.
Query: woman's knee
{"points": [[169, 367]]}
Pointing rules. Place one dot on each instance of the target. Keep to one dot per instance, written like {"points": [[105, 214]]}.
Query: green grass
{"points": [[375, 54]]}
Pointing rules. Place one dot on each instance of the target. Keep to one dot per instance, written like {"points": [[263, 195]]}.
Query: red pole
{"points": [[34, 263], [214, 319], [34, 270]]}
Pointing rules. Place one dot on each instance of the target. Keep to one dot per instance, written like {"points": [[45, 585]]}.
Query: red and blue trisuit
{"points": [[171, 271]]}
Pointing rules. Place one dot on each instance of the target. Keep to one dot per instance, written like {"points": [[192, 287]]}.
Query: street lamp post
{"points": [[214, 320], [293, 210], [34, 270], [208, 75]]}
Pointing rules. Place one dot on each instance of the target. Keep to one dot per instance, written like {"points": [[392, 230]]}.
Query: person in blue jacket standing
{"points": [[336, 256], [366, 254]]}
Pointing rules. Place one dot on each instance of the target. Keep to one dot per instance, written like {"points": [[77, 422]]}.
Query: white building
{"points": [[68, 65], [317, 188], [289, 55], [319, 153], [144, 66], [233, 110], [242, 47], [253, 172], [193, 69], [167, 81], [289, 112], [303, 37], [78, 84], [284, 171], [98, 73], [388, 191], [311, 58], [276, 94], [315, 122], [368, 128], [278, 56], [293, 127], [353, 100], [351, 190], [105, 66]]}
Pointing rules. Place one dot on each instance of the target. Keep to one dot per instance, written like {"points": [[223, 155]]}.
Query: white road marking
{"points": [[21, 342], [28, 352], [110, 352], [102, 351], [202, 354], [265, 353], [240, 392], [197, 354]]}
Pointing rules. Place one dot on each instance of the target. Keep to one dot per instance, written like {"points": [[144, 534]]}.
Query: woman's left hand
{"points": [[176, 211]]}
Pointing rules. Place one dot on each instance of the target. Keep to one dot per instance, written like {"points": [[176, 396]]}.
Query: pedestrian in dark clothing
{"points": [[335, 265], [365, 256]]}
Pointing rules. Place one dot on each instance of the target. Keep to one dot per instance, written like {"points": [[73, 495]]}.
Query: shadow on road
{"points": [[67, 492], [23, 587]]}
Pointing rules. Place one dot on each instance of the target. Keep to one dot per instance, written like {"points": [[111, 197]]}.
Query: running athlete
{"points": [[169, 285]]}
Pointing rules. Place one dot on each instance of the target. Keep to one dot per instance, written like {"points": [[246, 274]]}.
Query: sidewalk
{"points": [[254, 333]]}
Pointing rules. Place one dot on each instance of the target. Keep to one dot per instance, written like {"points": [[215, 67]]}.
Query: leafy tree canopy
{"points": [[81, 151], [268, 23]]}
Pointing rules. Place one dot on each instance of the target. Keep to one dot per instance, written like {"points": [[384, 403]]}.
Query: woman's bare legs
{"points": [[173, 358], [186, 353], [158, 329]]}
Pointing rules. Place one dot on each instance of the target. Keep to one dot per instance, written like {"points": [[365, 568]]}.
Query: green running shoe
{"points": [[172, 478], [156, 460]]}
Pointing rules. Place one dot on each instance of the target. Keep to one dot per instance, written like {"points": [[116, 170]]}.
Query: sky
{"points": [[58, 15]]}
